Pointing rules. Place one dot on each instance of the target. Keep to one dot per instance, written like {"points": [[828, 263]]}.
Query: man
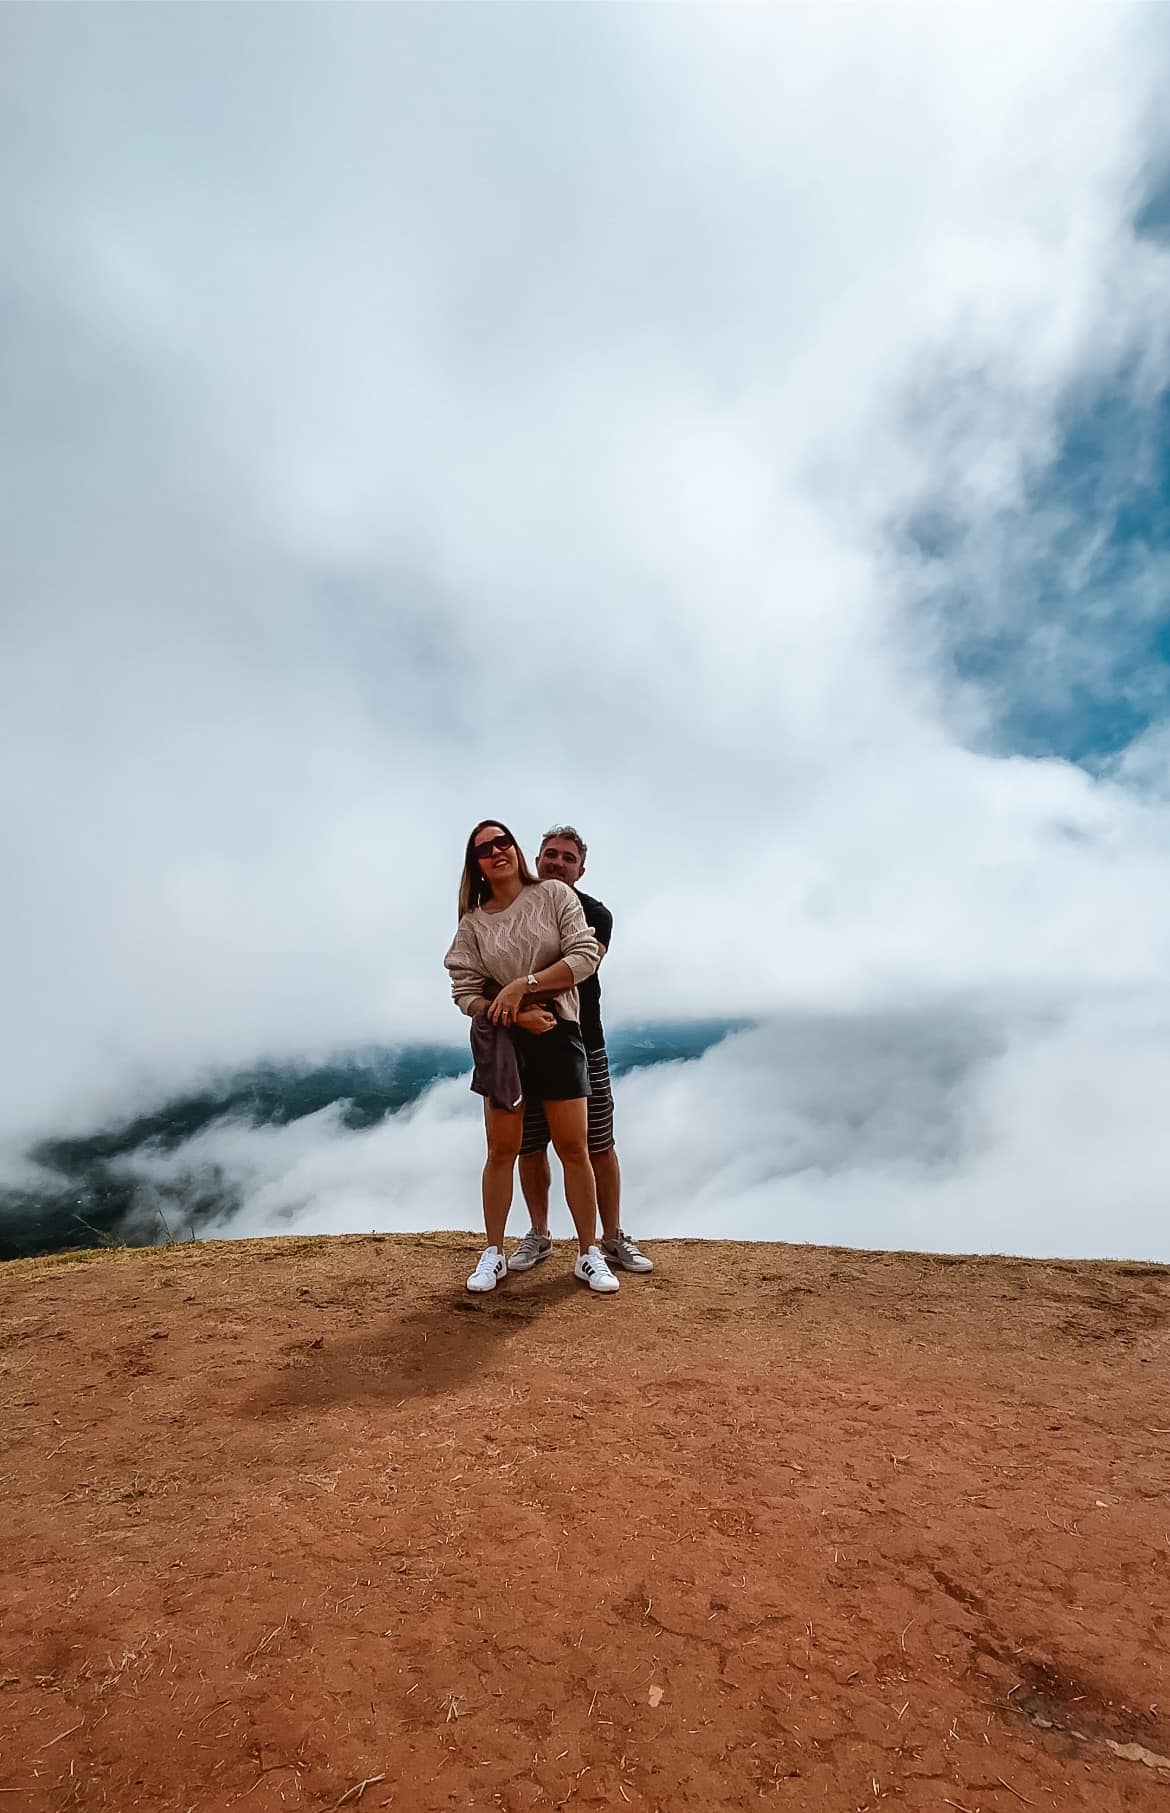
{"points": [[562, 858]]}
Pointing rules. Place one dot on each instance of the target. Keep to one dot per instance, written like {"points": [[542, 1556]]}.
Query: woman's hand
{"points": [[506, 1006], [535, 1019]]}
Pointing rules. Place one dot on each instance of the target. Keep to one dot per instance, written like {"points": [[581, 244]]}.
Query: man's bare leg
{"points": [[618, 1248], [536, 1181], [608, 1177]]}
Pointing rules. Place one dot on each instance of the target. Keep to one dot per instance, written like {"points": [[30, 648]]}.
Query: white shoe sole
{"points": [[607, 1288]]}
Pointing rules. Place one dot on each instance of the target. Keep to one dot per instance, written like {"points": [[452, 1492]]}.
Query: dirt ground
{"points": [[299, 1524]]}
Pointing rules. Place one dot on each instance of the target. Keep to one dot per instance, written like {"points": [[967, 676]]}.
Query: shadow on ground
{"points": [[432, 1350]]}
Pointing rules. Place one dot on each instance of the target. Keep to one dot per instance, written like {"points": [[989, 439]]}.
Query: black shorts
{"points": [[600, 1109], [552, 1064]]}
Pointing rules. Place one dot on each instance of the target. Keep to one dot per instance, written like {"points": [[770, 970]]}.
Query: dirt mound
{"points": [[299, 1524]]}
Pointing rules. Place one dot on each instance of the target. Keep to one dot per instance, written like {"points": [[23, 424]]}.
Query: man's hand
{"points": [[535, 1019], [507, 1004]]}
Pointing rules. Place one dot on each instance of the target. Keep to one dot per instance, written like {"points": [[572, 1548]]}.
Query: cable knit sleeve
{"points": [[464, 962], [579, 947]]}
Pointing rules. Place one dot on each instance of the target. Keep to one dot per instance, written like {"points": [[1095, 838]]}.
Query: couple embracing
{"points": [[523, 966]]}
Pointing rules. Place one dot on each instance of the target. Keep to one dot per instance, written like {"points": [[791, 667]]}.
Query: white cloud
{"points": [[415, 414], [942, 1128]]}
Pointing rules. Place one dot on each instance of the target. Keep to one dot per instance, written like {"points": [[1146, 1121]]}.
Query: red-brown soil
{"points": [[299, 1524]]}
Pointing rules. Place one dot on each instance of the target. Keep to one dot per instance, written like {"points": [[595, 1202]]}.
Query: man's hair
{"points": [[571, 833]]}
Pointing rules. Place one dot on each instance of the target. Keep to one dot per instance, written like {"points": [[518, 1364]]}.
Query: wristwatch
{"points": [[532, 982]]}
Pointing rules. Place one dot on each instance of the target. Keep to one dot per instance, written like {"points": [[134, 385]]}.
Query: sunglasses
{"points": [[490, 845]]}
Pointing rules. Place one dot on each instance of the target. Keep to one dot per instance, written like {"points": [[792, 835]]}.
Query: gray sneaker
{"points": [[624, 1252], [532, 1249]]}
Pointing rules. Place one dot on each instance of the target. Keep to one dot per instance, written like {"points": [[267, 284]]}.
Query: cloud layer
{"points": [[942, 1128]]}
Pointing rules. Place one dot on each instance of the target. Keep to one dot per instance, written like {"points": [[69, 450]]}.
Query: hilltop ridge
{"points": [[300, 1524]]}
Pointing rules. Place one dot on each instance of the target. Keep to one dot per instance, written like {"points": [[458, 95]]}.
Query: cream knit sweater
{"points": [[543, 924]]}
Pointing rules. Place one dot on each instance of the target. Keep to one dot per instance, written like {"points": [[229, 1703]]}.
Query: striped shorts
{"points": [[599, 1104]]}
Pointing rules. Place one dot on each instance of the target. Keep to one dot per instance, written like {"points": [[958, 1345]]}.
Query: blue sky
{"points": [[1079, 676], [740, 431]]}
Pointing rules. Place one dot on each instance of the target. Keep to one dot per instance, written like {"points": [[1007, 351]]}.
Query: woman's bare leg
{"points": [[569, 1130], [505, 1129]]}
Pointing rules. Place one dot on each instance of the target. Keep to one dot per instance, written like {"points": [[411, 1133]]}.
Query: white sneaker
{"points": [[489, 1271], [593, 1270]]}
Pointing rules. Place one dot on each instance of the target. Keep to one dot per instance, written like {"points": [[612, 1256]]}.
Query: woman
{"points": [[523, 937]]}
